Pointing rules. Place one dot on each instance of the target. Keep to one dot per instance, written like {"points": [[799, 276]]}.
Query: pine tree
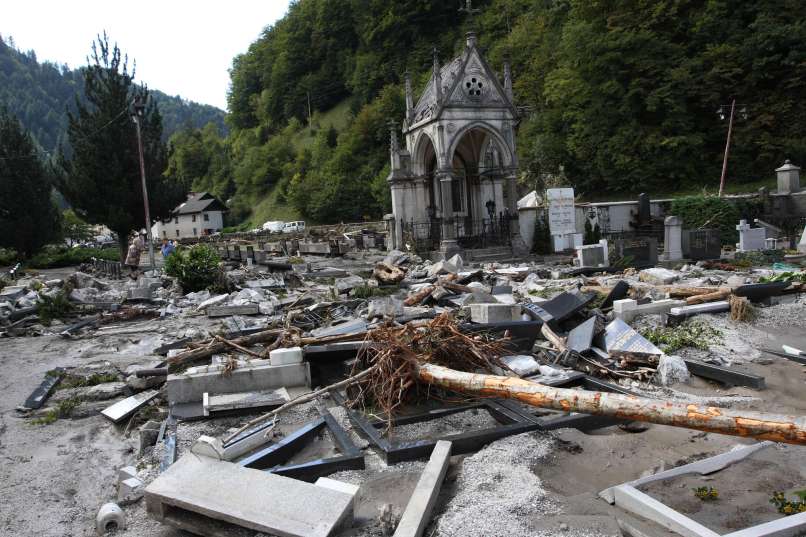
{"points": [[28, 217], [102, 179]]}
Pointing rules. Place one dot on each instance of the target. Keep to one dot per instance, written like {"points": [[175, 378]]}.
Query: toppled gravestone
{"points": [[658, 276], [671, 370], [344, 285]]}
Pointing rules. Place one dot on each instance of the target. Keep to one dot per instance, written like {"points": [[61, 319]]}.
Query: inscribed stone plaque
{"points": [[562, 214], [642, 250]]}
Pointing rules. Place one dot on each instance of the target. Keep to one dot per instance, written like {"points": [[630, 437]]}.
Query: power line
{"points": [[82, 138]]}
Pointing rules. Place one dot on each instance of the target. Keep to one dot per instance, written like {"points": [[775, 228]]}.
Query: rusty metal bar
{"points": [[778, 428]]}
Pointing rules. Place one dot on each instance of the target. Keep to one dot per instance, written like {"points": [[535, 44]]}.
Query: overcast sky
{"points": [[182, 47]]}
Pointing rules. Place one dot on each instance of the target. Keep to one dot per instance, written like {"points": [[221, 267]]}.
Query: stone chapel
{"points": [[454, 182]]}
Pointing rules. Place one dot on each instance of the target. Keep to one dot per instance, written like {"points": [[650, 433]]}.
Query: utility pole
{"points": [[309, 112], [727, 148], [138, 114]]}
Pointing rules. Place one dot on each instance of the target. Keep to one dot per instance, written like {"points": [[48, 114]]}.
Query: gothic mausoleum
{"points": [[453, 186]]}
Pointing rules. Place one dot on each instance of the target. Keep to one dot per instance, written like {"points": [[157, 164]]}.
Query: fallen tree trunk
{"points": [[778, 428], [721, 294], [216, 347]]}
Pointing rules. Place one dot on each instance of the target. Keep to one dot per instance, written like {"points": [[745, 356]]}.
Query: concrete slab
{"points": [[232, 401], [251, 499], [634, 500], [123, 409], [186, 388], [418, 511], [291, 355], [226, 311], [494, 313]]}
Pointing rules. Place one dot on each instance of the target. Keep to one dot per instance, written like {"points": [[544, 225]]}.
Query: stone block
{"points": [[11, 293], [127, 472], [266, 283], [186, 388], [343, 285], [418, 511], [591, 255], [520, 364], [338, 486], [442, 267], [494, 313], [130, 490], [291, 355], [227, 311], [223, 492], [658, 276]]}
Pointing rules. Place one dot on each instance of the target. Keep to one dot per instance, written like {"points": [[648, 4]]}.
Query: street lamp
{"points": [[721, 112], [138, 113]]}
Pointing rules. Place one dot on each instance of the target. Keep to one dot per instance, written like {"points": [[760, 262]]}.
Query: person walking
{"points": [[133, 255], [167, 248]]}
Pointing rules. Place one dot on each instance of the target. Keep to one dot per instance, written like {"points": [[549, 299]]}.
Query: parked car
{"points": [[274, 226], [294, 227]]}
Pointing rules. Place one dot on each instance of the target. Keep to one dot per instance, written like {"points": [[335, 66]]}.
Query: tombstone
{"points": [[673, 238], [702, 244], [750, 239], [644, 211], [642, 250], [802, 243], [591, 255], [788, 178], [562, 218]]}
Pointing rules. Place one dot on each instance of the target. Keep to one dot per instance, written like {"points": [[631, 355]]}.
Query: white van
{"points": [[274, 226], [294, 227]]}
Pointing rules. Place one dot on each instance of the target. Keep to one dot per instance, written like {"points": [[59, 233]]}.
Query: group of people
{"points": [[136, 247]]}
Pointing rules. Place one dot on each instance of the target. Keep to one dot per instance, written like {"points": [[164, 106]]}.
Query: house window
{"points": [[193, 219], [177, 232], [176, 221], [206, 217], [194, 232]]}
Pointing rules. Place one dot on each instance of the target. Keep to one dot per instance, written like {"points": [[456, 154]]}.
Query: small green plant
{"points": [[706, 494], [789, 507], [785, 277], [695, 334], [196, 267], [53, 307], [295, 260], [78, 381], [366, 291], [63, 410]]}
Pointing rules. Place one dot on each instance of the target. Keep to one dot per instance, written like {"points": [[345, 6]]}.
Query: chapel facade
{"points": [[455, 179]]}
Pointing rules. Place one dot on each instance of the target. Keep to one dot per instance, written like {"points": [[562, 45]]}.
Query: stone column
{"points": [[448, 246], [673, 239], [788, 178]]}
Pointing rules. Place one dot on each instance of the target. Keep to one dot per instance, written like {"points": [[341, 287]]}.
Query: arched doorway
{"points": [[478, 170]]}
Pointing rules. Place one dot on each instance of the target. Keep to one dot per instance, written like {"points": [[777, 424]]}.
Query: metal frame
{"points": [[725, 375], [514, 420], [271, 458]]}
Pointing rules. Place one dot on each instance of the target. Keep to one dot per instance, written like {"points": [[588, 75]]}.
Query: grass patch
{"points": [[366, 291], [63, 410], [270, 208], [294, 260], [78, 381], [696, 334]]}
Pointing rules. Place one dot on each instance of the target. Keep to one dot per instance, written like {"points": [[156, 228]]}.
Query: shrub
{"points": [[55, 307], [196, 267], [7, 257], [67, 257], [708, 212]]}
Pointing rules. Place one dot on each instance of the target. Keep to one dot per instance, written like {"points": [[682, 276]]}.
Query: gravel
{"points": [[497, 491]]}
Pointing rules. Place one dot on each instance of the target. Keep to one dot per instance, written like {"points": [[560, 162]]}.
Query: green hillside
{"points": [[39, 94], [616, 97]]}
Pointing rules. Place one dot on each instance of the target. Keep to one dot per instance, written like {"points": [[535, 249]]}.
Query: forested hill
{"points": [[617, 96], [38, 94]]}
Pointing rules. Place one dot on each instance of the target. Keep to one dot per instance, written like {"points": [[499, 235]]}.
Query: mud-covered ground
{"points": [[55, 476]]}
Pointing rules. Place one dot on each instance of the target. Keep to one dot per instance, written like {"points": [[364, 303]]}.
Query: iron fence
{"points": [[470, 233]]}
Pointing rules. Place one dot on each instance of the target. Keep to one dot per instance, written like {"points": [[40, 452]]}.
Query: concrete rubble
{"points": [[248, 409]]}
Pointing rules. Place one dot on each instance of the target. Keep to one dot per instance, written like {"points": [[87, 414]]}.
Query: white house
{"points": [[201, 214]]}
